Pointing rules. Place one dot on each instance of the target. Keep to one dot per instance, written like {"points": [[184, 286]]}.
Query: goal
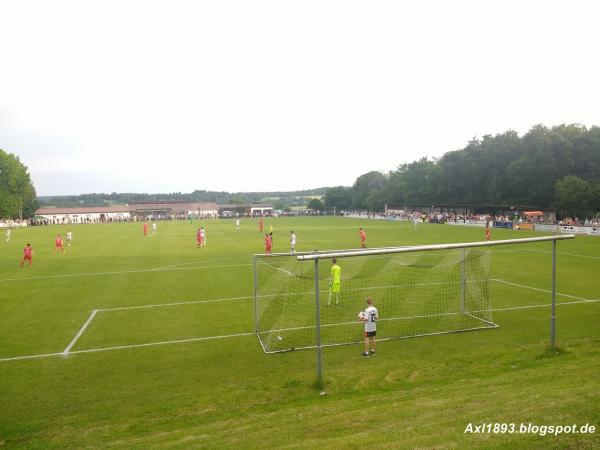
{"points": [[417, 293]]}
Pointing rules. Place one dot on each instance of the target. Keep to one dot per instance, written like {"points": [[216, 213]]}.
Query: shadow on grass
{"points": [[553, 353]]}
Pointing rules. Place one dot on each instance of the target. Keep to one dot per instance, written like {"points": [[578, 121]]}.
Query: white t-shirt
{"points": [[293, 239], [372, 316], [153, 227], [69, 236]]}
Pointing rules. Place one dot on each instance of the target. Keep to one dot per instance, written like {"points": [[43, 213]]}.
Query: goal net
{"points": [[417, 293]]}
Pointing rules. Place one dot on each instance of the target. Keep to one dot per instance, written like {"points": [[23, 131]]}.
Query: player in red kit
{"points": [[27, 254], [198, 238], [261, 224], [363, 237], [58, 244], [488, 233], [268, 244], [145, 229]]}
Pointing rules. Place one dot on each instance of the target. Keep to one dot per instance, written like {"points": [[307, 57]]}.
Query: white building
{"points": [[84, 214], [141, 211]]}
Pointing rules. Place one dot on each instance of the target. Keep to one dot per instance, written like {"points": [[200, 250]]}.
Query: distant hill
{"points": [[282, 198]]}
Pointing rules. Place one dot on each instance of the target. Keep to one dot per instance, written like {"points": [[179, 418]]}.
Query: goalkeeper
{"points": [[335, 282]]}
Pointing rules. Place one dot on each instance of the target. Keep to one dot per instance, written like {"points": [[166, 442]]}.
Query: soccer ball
{"points": [[361, 315], [279, 338]]}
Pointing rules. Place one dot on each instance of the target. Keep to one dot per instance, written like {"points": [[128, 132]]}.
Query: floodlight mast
{"points": [[316, 256]]}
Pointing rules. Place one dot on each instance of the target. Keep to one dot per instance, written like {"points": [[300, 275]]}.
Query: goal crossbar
{"points": [[418, 248]]}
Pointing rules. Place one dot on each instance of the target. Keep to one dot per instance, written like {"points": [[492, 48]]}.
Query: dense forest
{"points": [[555, 168], [285, 198]]}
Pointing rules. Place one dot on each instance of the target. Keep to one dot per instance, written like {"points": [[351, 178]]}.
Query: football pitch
{"points": [[136, 342]]}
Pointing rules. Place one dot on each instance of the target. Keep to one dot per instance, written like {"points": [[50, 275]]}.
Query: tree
{"points": [[316, 204], [596, 200], [415, 183], [339, 197], [574, 194], [368, 191], [280, 205], [492, 170], [17, 194]]}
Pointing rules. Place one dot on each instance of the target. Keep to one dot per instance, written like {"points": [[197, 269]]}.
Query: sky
{"points": [[145, 96]]}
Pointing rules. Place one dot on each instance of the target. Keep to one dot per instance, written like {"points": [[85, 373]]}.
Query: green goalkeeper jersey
{"points": [[336, 273]]}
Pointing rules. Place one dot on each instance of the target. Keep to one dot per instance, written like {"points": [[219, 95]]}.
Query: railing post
{"points": [[553, 315], [318, 328], [255, 297], [463, 281]]}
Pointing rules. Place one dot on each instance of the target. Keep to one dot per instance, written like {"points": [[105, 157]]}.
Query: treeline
{"points": [[17, 194], [556, 168], [196, 196]]}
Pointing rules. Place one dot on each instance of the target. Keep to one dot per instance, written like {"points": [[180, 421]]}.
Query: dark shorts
{"points": [[370, 333]]}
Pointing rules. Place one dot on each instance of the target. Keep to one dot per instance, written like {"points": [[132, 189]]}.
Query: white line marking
{"points": [[192, 302], [245, 258], [80, 332], [537, 289], [120, 272], [151, 344], [47, 355], [287, 272], [356, 322], [525, 250], [546, 305], [386, 339], [122, 308], [44, 355]]}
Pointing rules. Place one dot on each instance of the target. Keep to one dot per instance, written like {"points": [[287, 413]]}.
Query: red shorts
{"points": [[27, 258]]}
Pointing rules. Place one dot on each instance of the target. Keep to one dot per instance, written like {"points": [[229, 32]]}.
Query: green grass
{"points": [[227, 393]]}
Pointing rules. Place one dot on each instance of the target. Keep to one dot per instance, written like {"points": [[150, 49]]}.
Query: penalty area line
{"points": [[548, 305], [153, 344], [122, 347], [43, 355], [193, 302], [80, 332], [537, 289], [208, 338], [122, 272]]}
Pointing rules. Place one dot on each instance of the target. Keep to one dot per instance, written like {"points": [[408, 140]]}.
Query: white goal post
{"points": [[419, 291]]}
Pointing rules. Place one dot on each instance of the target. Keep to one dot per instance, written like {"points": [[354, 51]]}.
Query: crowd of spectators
{"points": [[422, 216], [456, 217]]}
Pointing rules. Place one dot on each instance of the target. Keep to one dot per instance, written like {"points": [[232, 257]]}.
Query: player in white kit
{"points": [[292, 242], [370, 319], [202, 236], [415, 220]]}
